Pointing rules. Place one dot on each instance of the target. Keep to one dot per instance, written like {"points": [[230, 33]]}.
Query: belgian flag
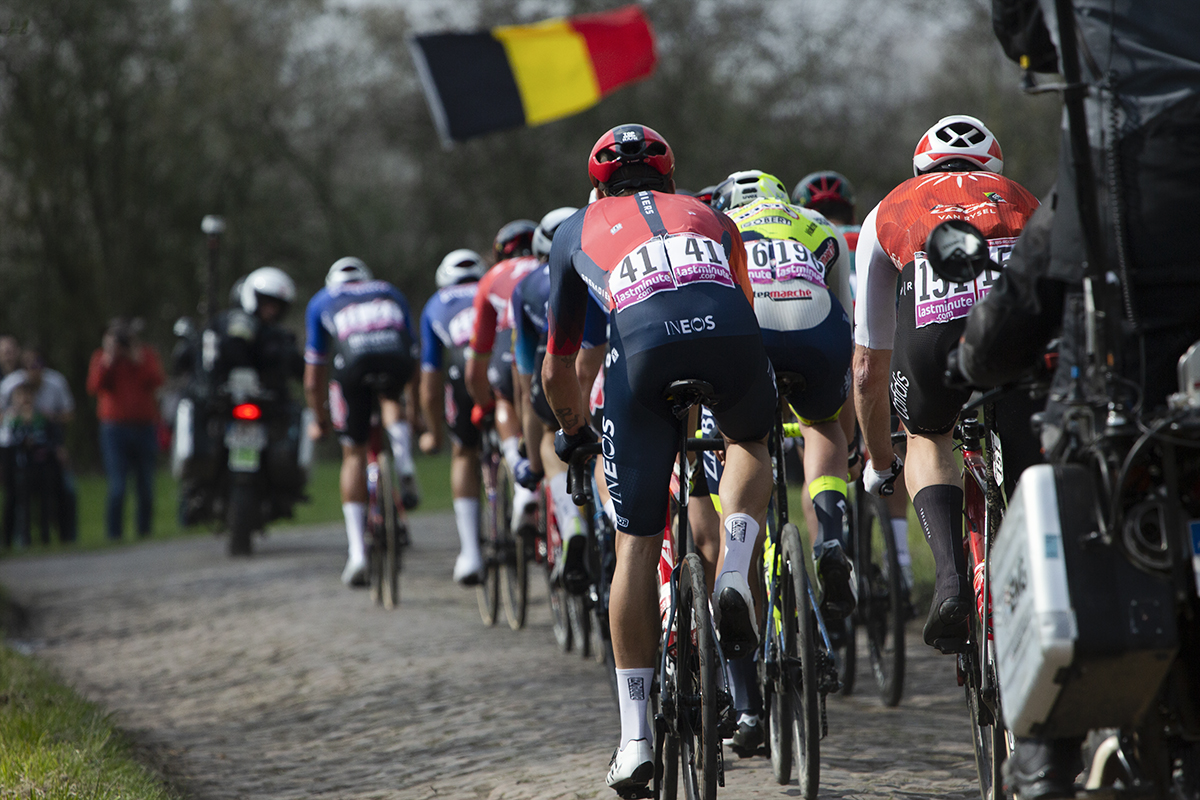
{"points": [[517, 75]]}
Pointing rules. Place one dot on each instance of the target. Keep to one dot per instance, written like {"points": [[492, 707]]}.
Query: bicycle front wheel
{"points": [[511, 552], [881, 598], [696, 684], [799, 663]]}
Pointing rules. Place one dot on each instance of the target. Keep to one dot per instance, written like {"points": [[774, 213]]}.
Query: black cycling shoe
{"points": [[733, 616], [839, 593], [749, 737], [1042, 769], [410, 496], [946, 627], [574, 573]]}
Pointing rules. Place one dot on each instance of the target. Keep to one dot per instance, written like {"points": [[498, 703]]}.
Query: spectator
{"points": [[124, 375], [52, 400], [33, 456], [10, 355]]}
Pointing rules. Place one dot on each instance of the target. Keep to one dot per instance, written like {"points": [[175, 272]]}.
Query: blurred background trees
{"points": [[123, 122]]}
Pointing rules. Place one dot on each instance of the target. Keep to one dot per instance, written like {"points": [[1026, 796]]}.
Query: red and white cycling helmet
{"points": [[958, 137], [629, 144]]}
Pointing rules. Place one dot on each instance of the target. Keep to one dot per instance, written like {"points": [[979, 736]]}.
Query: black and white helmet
{"points": [[266, 282], [543, 236], [347, 270], [459, 266]]}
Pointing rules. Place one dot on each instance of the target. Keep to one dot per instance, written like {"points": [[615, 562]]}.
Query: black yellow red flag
{"points": [[516, 75]]}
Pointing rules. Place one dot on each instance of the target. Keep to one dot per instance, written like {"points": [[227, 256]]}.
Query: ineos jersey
{"points": [[893, 236], [492, 313], [666, 266], [357, 319], [530, 303], [447, 322]]}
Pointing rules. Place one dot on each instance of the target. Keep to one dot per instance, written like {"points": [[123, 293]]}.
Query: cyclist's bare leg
{"points": [[633, 614], [397, 421], [930, 462], [705, 525], [354, 509], [745, 490], [464, 487], [824, 456], [746, 487]]}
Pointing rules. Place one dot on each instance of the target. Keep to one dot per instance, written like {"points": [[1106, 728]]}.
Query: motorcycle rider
{"points": [[364, 327]]}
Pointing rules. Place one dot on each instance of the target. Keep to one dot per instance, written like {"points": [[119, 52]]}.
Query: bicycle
{"points": [[387, 527], [798, 668], [568, 616], [505, 556]]}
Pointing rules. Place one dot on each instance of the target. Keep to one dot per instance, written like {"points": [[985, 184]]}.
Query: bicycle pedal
{"points": [[951, 646], [635, 793]]}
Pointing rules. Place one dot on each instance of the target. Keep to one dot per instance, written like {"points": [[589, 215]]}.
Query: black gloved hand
{"points": [[565, 445]]}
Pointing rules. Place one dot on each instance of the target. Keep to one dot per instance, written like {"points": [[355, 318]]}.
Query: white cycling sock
{"points": [[741, 532], [401, 435], [900, 532], [512, 451], [356, 523], [466, 514], [633, 693], [565, 510]]}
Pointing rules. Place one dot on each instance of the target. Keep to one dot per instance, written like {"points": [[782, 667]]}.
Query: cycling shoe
{"points": [[839, 591], [631, 768], [749, 738], [1042, 769], [574, 573], [355, 573], [467, 571], [733, 614], [946, 627], [410, 495]]}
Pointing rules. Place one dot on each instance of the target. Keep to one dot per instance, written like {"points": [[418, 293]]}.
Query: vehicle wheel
{"points": [[512, 553], [560, 618], [390, 568], [666, 746], [988, 736], [697, 685], [881, 597], [773, 677], [488, 592], [799, 661], [847, 654], [243, 518], [581, 624]]}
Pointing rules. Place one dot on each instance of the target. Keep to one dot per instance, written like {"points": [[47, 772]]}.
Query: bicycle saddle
{"points": [[688, 393], [788, 382]]}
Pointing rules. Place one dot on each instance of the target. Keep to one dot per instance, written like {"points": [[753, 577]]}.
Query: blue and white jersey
{"points": [[446, 323], [356, 319], [530, 309]]}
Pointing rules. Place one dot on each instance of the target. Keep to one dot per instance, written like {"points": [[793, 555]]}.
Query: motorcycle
{"points": [[240, 453]]}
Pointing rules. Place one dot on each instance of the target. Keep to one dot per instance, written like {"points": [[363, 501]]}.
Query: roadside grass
{"points": [[58, 745]]}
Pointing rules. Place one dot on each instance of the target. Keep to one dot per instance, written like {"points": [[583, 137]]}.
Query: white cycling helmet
{"points": [[266, 282], [543, 236], [347, 270], [459, 266], [742, 188], [958, 137]]}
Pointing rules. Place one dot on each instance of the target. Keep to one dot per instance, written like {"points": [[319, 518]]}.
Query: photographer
{"points": [[124, 375]]}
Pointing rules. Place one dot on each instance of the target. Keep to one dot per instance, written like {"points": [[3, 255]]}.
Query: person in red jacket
{"points": [[124, 375]]}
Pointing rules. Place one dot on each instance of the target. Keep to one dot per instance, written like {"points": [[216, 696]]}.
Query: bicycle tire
{"points": [[666, 746], [800, 662], [390, 555], [581, 625], [989, 738], [487, 593], [696, 674], [847, 653], [881, 599], [776, 699], [511, 552]]}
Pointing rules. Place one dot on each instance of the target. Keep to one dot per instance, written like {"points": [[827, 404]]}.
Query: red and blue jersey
{"points": [[492, 313], [664, 265]]}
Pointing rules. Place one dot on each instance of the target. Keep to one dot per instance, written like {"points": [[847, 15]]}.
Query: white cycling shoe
{"points": [[468, 571], [631, 767], [355, 573], [733, 614]]}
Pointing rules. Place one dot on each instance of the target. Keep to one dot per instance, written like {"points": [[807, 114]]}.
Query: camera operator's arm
{"points": [[1008, 330]]}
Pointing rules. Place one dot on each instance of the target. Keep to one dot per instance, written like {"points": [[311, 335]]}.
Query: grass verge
{"points": [[58, 745]]}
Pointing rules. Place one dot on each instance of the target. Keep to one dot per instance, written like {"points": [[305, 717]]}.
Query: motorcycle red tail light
{"points": [[248, 411]]}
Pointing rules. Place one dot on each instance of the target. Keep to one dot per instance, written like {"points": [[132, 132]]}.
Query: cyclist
{"points": [[446, 324], [956, 168], [832, 194], [798, 268], [365, 326], [489, 357], [529, 302], [673, 274]]}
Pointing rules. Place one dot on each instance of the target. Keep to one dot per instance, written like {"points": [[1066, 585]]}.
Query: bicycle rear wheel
{"points": [[511, 552], [799, 663], [487, 593], [696, 685], [846, 652], [390, 551], [880, 597]]}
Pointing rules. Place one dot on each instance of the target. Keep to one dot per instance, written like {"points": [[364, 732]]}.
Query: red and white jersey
{"points": [[492, 313], [893, 236]]}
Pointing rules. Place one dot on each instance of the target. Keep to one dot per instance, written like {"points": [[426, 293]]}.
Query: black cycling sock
{"points": [[743, 685], [939, 509], [830, 506]]}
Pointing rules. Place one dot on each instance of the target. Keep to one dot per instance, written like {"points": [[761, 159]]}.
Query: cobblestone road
{"points": [[265, 678]]}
